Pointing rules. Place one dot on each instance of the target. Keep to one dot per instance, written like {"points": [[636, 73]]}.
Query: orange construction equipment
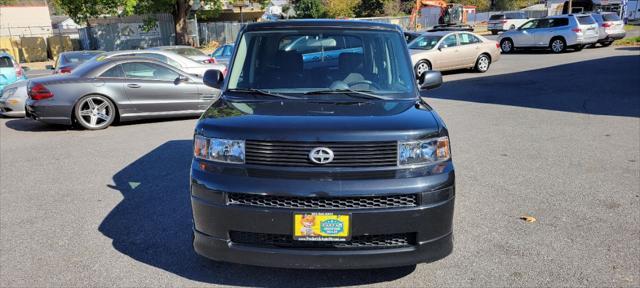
{"points": [[451, 14]]}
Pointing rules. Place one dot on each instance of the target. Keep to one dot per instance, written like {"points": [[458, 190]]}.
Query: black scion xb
{"points": [[320, 153]]}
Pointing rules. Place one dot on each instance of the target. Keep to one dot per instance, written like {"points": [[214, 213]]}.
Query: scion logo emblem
{"points": [[321, 155]]}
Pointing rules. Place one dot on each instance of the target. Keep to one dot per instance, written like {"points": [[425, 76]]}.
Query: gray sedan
{"points": [[102, 91]]}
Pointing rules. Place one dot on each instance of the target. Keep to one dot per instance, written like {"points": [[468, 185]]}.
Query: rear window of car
{"points": [[187, 52], [76, 58], [585, 20], [496, 17], [559, 22], [610, 17], [516, 16], [5, 62]]}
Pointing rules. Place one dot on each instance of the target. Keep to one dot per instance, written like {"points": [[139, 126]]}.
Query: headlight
{"points": [[424, 152], [219, 150]]}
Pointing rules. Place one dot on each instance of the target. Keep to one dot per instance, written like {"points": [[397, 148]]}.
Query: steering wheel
{"points": [[366, 82]]}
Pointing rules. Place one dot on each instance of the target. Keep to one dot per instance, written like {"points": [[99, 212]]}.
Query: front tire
{"points": [[579, 47], [494, 32], [95, 112], [482, 63], [557, 45], [606, 44], [506, 45]]}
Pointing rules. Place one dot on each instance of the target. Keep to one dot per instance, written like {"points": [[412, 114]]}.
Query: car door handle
{"points": [[133, 85]]}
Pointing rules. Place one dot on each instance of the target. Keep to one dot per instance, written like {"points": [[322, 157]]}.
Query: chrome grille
{"points": [[356, 242], [346, 154], [364, 202]]}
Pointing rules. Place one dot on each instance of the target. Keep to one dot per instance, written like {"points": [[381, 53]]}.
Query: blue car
{"points": [[10, 70]]}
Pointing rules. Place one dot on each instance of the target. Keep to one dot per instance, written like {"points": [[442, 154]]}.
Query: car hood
{"points": [[298, 120], [508, 33]]}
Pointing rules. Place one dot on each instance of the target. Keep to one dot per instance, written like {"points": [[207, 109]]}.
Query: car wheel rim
{"points": [[506, 46], [483, 63], [422, 67], [557, 46], [95, 112]]}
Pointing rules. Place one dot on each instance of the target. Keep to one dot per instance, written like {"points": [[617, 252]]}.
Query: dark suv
{"points": [[320, 152]]}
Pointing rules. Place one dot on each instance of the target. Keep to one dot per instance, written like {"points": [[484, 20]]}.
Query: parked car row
{"points": [[557, 33]]}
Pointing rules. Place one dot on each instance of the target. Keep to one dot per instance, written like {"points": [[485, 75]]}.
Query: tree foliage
{"points": [[310, 9], [83, 10], [341, 8], [371, 8]]}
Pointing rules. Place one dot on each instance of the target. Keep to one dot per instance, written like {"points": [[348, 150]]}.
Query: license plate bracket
{"points": [[321, 226]]}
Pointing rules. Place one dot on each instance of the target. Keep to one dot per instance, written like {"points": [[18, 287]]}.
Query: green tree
{"points": [[310, 9], [83, 10], [341, 8], [371, 8]]}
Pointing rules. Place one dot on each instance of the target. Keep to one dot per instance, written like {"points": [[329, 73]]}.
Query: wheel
{"points": [[494, 32], [506, 45], [483, 63], [421, 67], [606, 44], [579, 47], [95, 112], [557, 45]]}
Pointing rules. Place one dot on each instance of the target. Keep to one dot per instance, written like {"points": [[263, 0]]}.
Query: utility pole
{"points": [[570, 10]]}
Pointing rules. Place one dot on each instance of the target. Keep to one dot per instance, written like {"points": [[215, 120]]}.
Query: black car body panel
{"points": [[243, 212]]}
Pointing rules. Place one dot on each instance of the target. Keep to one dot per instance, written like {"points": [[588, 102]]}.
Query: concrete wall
{"points": [[25, 21]]}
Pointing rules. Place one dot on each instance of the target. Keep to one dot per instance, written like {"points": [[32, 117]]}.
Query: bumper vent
{"points": [[365, 202], [346, 154], [357, 242]]}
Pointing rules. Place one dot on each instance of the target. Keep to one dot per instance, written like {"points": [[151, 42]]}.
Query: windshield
{"points": [[304, 61], [610, 17], [425, 42], [187, 52]]}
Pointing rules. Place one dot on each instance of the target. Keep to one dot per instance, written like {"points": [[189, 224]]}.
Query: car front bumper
{"points": [[216, 221], [11, 108]]}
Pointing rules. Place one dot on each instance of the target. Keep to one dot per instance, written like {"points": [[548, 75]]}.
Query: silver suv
{"points": [[610, 27], [506, 21], [555, 33]]}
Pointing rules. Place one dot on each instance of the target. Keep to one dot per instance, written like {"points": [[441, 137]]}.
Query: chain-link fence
{"points": [[221, 32]]}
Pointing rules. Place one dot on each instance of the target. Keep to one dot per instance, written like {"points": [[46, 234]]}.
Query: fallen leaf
{"points": [[528, 219]]}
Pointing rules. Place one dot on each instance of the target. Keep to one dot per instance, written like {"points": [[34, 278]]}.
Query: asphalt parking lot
{"points": [[556, 137]]}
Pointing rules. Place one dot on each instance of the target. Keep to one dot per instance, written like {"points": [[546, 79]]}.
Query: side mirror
{"points": [[49, 67], [213, 78], [430, 80]]}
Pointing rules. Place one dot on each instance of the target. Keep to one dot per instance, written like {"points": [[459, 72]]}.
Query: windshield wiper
{"points": [[358, 93], [261, 92]]}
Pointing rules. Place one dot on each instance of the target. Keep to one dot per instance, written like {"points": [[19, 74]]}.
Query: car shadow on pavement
{"points": [[29, 125], [606, 86], [152, 224]]}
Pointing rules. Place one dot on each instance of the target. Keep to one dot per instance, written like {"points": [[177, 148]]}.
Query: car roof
{"points": [[322, 23], [81, 52], [165, 52], [170, 47], [440, 33]]}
